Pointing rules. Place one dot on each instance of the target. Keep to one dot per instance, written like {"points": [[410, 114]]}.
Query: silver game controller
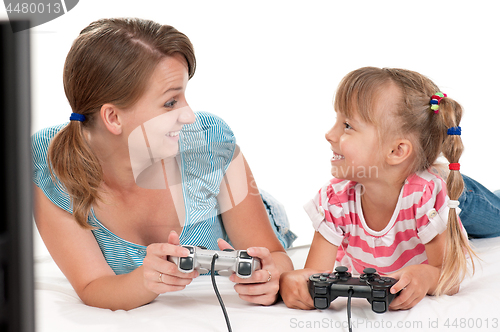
{"points": [[228, 261]]}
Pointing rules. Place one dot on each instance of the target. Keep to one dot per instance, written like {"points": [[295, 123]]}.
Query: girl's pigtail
{"points": [[75, 165], [454, 266]]}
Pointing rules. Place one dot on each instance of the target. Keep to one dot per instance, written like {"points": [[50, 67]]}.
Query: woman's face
{"points": [[157, 118]]}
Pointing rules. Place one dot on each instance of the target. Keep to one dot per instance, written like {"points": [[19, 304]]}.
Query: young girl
{"points": [[386, 208]]}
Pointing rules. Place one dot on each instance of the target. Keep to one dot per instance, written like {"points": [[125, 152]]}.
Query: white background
{"points": [[270, 70]]}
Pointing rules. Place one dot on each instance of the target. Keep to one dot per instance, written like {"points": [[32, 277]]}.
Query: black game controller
{"points": [[228, 261], [326, 287]]}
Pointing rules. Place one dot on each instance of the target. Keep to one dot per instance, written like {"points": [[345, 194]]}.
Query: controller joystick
{"points": [[325, 287], [228, 261]]}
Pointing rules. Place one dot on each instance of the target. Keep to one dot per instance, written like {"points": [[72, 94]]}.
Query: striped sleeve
{"points": [[432, 211], [207, 147], [42, 178], [329, 210]]}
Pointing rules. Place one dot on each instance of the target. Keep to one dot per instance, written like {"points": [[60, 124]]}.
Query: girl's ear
{"points": [[401, 151], [111, 119]]}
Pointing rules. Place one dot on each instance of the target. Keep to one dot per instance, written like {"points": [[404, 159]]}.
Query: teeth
{"points": [[337, 156], [173, 133]]}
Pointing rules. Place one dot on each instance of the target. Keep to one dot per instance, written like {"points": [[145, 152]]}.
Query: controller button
{"points": [[320, 290], [244, 268], [228, 249], [243, 254], [381, 281], [379, 294], [322, 278], [191, 249], [379, 307], [186, 263], [341, 269], [369, 270], [325, 274], [321, 303]]}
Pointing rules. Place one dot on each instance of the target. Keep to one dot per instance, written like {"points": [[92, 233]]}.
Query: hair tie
{"points": [[77, 117], [453, 204], [454, 166], [435, 99], [455, 131]]}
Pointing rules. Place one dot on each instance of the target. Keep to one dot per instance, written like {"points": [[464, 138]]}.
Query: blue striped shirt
{"points": [[206, 148]]}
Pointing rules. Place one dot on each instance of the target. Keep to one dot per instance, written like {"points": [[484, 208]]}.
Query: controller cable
{"points": [[349, 296], [223, 307]]}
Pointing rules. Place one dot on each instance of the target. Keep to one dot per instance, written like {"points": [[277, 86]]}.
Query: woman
{"points": [[136, 173]]}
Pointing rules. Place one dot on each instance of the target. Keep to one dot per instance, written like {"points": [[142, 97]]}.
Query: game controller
{"points": [[227, 262], [326, 287]]}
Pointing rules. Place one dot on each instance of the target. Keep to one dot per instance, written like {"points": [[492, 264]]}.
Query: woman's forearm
{"points": [[118, 292], [282, 261]]}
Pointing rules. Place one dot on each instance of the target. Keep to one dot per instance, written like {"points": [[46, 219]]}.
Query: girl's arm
{"points": [[247, 225], [419, 280], [293, 285], [79, 257]]}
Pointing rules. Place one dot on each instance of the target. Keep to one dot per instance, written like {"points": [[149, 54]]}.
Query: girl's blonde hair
{"points": [[427, 130], [111, 61]]}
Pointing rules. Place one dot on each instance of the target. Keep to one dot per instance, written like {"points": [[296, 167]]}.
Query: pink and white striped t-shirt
{"points": [[421, 213]]}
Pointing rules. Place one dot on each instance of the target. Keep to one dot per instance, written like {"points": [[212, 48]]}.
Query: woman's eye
{"points": [[170, 103]]}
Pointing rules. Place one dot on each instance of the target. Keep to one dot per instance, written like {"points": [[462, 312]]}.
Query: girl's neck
{"points": [[378, 201]]}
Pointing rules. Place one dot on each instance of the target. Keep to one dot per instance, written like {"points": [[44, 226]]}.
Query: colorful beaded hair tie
{"points": [[455, 131], [77, 117], [454, 166], [435, 99]]}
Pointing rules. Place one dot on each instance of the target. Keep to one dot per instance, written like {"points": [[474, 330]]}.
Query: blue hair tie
{"points": [[77, 117], [455, 131]]}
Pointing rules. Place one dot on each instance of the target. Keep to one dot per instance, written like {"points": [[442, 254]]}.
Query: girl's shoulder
{"points": [[337, 192], [424, 181]]}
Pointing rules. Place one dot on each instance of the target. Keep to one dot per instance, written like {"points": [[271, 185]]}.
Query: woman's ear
{"points": [[401, 151], [111, 119]]}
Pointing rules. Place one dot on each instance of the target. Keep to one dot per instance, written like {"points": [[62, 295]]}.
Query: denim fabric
{"points": [[278, 218], [480, 207]]}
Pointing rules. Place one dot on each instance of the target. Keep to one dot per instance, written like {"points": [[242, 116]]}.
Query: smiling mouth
{"points": [[173, 134], [337, 156]]}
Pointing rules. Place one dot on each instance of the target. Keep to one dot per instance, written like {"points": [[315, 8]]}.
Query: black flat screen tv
{"points": [[16, 221]]}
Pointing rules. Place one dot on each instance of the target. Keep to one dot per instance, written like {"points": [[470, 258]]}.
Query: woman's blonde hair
{"points": [[111, 61], [427, 130]]}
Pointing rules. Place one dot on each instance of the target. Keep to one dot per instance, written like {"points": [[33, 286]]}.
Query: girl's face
{"points": [[356, 149], [156, 120]]}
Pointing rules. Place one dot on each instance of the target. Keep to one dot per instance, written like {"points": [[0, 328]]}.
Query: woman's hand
{"points": [[161, 275], [294, 290], [263, 286], [415, 281]]}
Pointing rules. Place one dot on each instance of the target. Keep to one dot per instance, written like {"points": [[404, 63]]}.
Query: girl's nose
{"points": [[331, 135]]}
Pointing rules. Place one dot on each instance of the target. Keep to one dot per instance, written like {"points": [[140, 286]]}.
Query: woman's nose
{"points": [[186, 115]]}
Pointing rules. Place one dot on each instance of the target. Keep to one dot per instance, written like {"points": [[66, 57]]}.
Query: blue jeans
{"points": [[480, 207], [278, 218]]}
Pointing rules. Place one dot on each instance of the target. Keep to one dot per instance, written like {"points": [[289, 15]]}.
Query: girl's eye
{"points": [[170, 103], [347, 125]]}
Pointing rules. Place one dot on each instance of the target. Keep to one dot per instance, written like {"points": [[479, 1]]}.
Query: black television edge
{"points": [[16, 221]]}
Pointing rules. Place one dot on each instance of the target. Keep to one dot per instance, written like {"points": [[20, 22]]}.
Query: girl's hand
{"points": [[415, 281], [263, 286], [294, 290], [160, 275]]}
